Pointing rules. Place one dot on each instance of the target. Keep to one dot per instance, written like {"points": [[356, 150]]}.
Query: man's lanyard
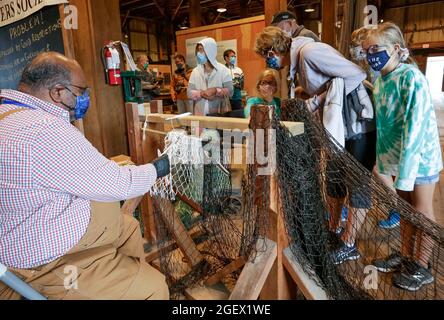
{"points": [[16, 103]]}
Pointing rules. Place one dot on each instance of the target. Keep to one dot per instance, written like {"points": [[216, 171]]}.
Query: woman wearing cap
{"points": [[319, 66], [210, 83]]}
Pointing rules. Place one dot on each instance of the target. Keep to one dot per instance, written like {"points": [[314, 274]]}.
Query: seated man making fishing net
{"points": [[54, 233]]}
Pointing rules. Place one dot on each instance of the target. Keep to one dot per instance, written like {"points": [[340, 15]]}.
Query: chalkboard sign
{"points": [[23, 40]]}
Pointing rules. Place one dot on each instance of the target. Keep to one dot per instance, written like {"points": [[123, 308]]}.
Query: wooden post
{"points": [[244, 8], [272, 7], [134, 133], [137, 154], [277, 286], [104, 124], [329, 22], [195, 14], [68, 46]]}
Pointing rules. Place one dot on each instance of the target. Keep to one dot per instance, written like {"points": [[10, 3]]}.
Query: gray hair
{"points": [[45, 74]]}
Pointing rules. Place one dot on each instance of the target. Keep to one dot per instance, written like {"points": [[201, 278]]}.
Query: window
{"points": [[145, 37], [435, 76]]}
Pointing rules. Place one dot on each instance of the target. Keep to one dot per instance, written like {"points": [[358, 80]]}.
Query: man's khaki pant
{"points": [[106, 264]]}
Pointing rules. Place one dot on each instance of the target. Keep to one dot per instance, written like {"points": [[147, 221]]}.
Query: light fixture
{"points": [[184, 24], [310, 9], [221, 7]]}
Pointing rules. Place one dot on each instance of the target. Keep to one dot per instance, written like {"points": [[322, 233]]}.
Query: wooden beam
{"points": [[220, 123], [220, 25], [230, 268], [190, 202], [159, 8], [255, 273], [177, 10], [134, 133], [131, 205], [244, 8], [279, 285], [207, 293], [272, 7], [125, 19], [195, 13], [431, 45], [413, 4], [68, 46], [154, 253], [310, 289], [329, 22], [104, 124], [180, 234]]}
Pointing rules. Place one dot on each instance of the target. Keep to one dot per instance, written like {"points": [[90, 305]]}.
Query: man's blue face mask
{"points": [[273, 61], [83, 102]]}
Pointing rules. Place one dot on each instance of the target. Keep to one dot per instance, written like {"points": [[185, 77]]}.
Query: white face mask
{"points": [[356, 53], [288, 33]]}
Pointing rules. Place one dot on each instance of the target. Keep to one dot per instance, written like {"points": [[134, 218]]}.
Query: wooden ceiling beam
{"points": [[409, 5], [162, 12], [127, 3], [177, 10]]}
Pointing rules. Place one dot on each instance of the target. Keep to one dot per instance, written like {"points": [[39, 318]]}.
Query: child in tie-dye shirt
{"points": [[408, 147]]}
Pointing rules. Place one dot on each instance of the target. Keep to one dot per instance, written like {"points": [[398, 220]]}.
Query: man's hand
{"points": [[162, 166]]}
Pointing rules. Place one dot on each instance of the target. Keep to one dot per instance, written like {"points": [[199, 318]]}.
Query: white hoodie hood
{"points": [[210, 47]]}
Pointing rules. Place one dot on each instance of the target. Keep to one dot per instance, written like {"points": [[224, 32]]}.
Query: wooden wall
{"points": [[105, 122], [245, 31], [423, 18]]}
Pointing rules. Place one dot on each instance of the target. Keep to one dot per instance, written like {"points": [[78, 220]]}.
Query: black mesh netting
{"points": [[203, 230], [308, 166]]}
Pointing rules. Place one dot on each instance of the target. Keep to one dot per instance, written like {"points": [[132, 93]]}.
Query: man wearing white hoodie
{"points": [[321, 69], [210, 83]]}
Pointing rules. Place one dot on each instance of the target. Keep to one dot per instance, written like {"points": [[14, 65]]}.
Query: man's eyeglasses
{"points": [[84, 90]]}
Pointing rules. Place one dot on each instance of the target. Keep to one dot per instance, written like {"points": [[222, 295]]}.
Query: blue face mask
{"points": [[82, 104], [273, 62], [378, 60], [201, 58], [233, 60]]}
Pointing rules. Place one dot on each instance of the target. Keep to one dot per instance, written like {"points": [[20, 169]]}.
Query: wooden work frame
{"points": [[275, 272]]}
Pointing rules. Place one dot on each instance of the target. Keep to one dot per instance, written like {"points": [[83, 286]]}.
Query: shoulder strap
{"points": [[10, 112]]}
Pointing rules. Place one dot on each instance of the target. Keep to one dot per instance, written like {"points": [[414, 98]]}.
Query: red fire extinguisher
{"points": [[111, 62]]}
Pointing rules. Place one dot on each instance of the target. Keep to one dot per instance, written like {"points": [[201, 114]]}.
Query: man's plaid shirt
{"points": [[49, 173]]}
